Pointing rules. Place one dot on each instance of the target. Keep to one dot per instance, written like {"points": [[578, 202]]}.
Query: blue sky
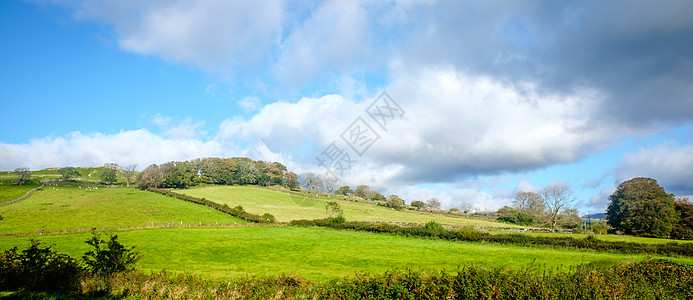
{"points": [[495, 98]]}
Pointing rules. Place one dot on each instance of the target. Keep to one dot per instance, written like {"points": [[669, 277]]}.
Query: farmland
{"points": [[286, 207], [188, 238]]}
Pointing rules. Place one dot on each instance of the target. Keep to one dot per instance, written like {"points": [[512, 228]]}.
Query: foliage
{"points": [[109, 173], [333, 209], [364, 191], [515, 216], [38, 269], [418, 204], [268, 218], [23, 176], [433, 229], [150, 177], [344, 190], [640, 206], [68, 173], [291, 180], [394, 201], [683, 229], [109, 256]]}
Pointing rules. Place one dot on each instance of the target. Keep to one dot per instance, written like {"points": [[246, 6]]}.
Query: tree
{"points": [[683, 229], [640, 206], [418, 204], [291, 180], [23, 176], [394, 201], [109, 173], [333, 210], [344, 190], [150, 177], [364, 192], [530, 202], [68, 173], [569, 218], [129, 173], [466, 207], [330, 181], [433, 203], [556, 197], [313, 182]]}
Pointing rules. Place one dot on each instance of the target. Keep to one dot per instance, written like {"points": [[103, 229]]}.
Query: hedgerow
{"points": [[237, 211], [469, 234]]}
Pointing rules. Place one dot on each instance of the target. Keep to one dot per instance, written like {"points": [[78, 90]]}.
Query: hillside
{"points": [[286, 207], [57, 208]]}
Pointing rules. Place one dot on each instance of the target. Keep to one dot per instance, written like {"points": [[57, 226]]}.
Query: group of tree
{"points": [[640, 206], [23, 176], [549, 207], [222, 171]]}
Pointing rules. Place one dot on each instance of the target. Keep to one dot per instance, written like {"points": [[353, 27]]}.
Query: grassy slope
{"points": [[286, 207], [316, 253], [9, 192], [67, 208]]}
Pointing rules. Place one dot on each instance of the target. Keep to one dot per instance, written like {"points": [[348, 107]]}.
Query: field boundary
{"points": [[127, 228], [236, 211], [22, 197]]}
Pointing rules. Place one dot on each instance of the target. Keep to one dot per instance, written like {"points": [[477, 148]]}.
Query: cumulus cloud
{"points": [[671, 166], [139, 147]]}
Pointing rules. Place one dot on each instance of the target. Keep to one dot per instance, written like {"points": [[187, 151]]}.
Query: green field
{"points": [[9, 192], [317, 253], [72, 208], [286, 207]]}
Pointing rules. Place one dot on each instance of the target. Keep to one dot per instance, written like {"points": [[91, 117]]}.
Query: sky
{"points": [[466, 101]]}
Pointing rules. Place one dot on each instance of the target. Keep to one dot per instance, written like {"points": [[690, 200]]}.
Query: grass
{"points": [[72, 208], [286, 207], [9, 192], [318, 253]]}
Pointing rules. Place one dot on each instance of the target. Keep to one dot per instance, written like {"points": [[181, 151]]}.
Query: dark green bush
{"points": [[109, 256], [38, 269]]}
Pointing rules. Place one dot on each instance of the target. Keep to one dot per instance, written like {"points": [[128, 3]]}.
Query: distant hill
{"points": [[595, 216]]}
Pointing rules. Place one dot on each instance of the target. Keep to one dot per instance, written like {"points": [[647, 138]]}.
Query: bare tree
{"points": [[556, 197], [313, 182], [433, 202], [466, 207], [129, 173], [330, 181], [530, 202]]}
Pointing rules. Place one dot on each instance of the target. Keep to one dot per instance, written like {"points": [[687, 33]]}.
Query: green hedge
{"points": [[236, 211], [471, 235]]}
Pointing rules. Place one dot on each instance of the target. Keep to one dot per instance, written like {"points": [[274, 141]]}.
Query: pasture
{"points": [[286, 207]]}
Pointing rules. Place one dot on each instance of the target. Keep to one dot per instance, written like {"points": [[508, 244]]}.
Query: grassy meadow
{"points": [[57, 208], [318, 253], [227, 247], [286, 207]]}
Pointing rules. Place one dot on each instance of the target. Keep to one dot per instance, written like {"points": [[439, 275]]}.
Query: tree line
{"points": [[222, 171]]}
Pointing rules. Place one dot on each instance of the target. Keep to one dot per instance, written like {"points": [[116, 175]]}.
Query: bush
{"points": [[337, 220], [109, 256], [433, 226], [514, 216], [268, 218], [38, 269]]}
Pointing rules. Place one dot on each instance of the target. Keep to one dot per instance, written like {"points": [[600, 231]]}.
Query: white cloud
{"points": [[671, 166], [139, 147], [218, 36], [250, 103]]}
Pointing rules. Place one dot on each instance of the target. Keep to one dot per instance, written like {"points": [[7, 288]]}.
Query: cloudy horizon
{"points": [[494, 98]]}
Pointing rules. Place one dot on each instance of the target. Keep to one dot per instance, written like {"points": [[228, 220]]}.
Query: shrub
{"points": [[337, 220], [268, 218], [433, 226], [38, 269], [109, 256]]}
